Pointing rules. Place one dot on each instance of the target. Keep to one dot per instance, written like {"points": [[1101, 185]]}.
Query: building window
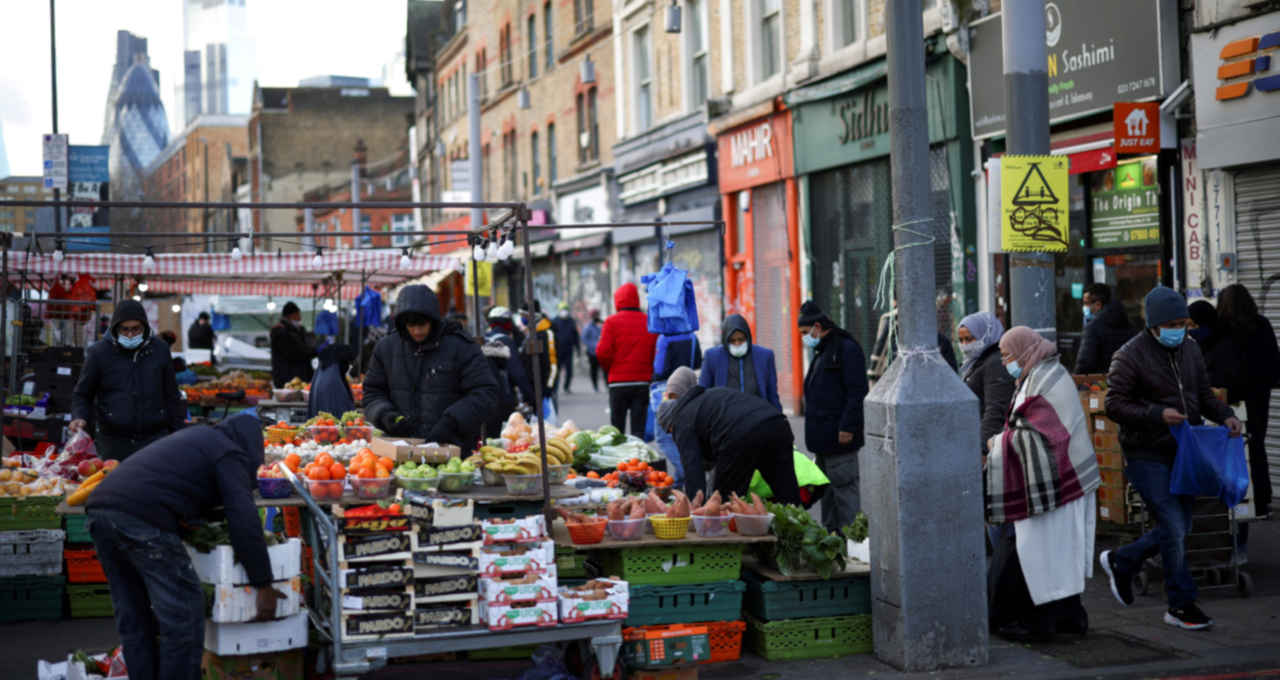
{"points": [[366, 230], [401, 223], [696, 46], [588, 127], [533, 46], [504, 54], [845, 21], [551, 153], [548, 48], [583, 16], [770, 12], [460, 15], [535, 162], [509, 154], [644, 79], [487, 189], [483, 75]]}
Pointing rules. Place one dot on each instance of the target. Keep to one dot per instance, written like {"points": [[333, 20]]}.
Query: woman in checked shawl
{"points": [[1041, 477]]}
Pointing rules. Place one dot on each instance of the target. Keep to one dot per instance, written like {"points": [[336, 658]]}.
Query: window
{"points": [[533, 46], [483, 76], [549, 48], [644, 79], [583, 11], [770, 37], [488, 176], [593, 122], [459, 15], [535, 162], [697, 51], [551, 153], [504, 53], [401, 223], [366, 230], [588, 128], [511, 186], [845, 22]]}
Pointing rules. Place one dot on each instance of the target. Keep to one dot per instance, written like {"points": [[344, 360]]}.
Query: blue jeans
{"points": [[1169, 537], [159, 604], [666, 445]]}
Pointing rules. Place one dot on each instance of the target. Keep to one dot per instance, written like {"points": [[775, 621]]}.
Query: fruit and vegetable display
{"points": [[803, 544], [518, 434], [637, 475], [296, 384], [81, 494], [205, 537], [354, 426], [323, 429], [455, 466], [309, 450], [527, 462]]}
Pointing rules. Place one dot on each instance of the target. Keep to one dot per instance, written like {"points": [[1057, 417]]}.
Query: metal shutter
{"points": [[773, 282], [1258, 262]]}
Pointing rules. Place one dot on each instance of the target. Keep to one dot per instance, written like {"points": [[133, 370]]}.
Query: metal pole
{"points": [[4, 320], [475, 162], [919, 469], [662, 245], [53, 91], [1026, 104], [534, 344]]}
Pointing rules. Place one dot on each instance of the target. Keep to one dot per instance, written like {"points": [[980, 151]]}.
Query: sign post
{"points": [[55, 162]]}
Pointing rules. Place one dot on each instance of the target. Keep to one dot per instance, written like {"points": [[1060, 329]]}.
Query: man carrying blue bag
{"points": [[1158, 381]]}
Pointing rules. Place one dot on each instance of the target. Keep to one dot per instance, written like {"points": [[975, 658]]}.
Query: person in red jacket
{"points": [[625, 351]]}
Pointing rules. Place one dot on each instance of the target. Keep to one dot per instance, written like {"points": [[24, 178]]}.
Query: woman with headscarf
{"points": [[1041, 477], [330, 391], [979, 335]]}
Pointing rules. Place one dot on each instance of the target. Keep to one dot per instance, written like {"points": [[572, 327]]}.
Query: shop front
{"points": [[1125, 203], [761, 242], [582, 266], [842, 161]]}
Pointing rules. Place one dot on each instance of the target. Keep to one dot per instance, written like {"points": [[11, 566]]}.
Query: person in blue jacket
{"points": [[671, 352], [740, 364]]}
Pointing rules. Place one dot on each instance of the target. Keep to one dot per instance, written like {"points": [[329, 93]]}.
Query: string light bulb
{"points": [[507, 249], [149, 260], [176, 308], [137, 298], [142, 286], [271, 305], [58, 255], [478, 253], [491, 253], [405, 261], [236, 254], [318, 260]]}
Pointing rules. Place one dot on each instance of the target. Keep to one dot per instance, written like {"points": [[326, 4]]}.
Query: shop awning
{"points": [[846, 82]]}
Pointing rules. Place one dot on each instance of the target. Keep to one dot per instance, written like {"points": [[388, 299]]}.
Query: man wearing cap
{"points": [[833, 392], [291, 352], [730, 432], [1158, 380]]}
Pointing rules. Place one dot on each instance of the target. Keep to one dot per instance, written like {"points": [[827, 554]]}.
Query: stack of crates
{"points": [[31, 579], [808, 619], [1112, 495], [88, 595]]}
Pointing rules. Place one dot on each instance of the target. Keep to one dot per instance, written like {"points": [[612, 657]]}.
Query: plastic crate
{"points": [[32, 552], [726, 640], [77, 529], [570, 563], [503, 653], [83, 567], [776, 600], [673, 565], [716, 601], [817, 638], [663, 646], [32, 512], [89, 601], [31, 598]]}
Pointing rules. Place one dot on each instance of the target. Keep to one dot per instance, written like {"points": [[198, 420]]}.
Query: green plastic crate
{"points": [[30, 598], [818, 638], [717, 601], [502, 653], [570, 563], [774, 600], [77, 530], [90, 600], [674, 565], [34, 512]]}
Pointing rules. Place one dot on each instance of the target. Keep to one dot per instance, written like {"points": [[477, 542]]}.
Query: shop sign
{"points": [[1126, 205], [1193, 220], [1099, 52], [1034, 205], [1236, 79], [756, 153], [590, 206], [1137, 127]]}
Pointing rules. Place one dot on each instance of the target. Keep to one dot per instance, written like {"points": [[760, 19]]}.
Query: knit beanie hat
{"points": [[1163, 305], [811, 312], [680, 381], [666, 414], [290, 307]]}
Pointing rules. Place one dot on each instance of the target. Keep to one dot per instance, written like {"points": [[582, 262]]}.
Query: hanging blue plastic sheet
{"points": [[219, 322], [1210, 462], [369, 308], [326, 323], [672, 306]]}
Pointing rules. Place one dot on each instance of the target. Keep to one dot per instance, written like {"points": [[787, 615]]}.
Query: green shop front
{"points": [[841, 128]]}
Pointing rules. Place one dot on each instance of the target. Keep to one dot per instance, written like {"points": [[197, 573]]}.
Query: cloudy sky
{"points": [[294, 39]]}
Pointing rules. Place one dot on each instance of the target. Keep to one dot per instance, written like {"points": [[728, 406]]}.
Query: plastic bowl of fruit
{"points": [[415, 483], [589, 533], [627, 529], [358, 432], [321, 489], [556, 474], [707, 527], [274, 487], [371, 488], [324, 434], [491, 477], [752, 525], [455, 481], [523, 485]]}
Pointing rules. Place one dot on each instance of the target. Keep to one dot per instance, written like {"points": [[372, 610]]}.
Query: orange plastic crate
{"points": [[292, 522], [726, 640], [83, 567]]}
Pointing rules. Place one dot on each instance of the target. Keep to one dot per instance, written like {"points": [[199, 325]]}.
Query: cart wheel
{"points": [[1212, 576], [1244, 584], [1143, 582]]}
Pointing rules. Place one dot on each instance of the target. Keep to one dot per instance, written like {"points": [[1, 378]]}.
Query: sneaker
{"points": [[1121, 587], [1188, 618]]}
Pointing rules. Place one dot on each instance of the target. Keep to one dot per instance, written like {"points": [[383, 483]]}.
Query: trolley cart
{"points": [[1211, 550]]}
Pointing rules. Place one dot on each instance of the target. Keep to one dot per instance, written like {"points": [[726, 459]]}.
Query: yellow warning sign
{"points": [[1034, 203], [485, 280]]}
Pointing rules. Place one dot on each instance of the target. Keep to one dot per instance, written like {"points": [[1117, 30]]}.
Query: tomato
{"points": [[593, 475], [337, 471], [382, 472], [394, 508], [292, 461], [386, 463], [324, 460], [318, 473]]}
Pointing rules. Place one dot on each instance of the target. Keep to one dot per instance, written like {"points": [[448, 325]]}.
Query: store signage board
{"points": [[1137, 127], [1099, 52], [1034, 204], [756, 153], [1236, 78], [1126, 205], [55, 162], [1193, 222]]}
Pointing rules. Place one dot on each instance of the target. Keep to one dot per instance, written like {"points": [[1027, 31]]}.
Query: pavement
{"points": [[1122, 642]]}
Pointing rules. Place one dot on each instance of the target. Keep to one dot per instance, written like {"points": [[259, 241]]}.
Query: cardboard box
{"points": [[517, 530], [417, 450], [371, 525], [397, 574], [1112, 478], [382, 546], [447, 561], [519, 558], [1111, 505], [376, 626], [276, 666], [1106, 441], [575, 609], [239, 604], [235, 639], [426, 589], [508, 616], [462, 611], [505, 590], [1110, 458], [438, 512], [1103, 424], [1094, 402], [378, 599], [436, 538]]}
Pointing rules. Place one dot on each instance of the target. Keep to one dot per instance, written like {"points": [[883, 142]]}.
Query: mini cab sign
{"points": [[1137, 127], [1034, 204]]}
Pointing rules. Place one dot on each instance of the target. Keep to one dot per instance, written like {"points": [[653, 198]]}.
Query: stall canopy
{"points": [[284, 274]]}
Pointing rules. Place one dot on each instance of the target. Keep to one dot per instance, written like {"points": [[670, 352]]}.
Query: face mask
{"points": [[129, 343], [971, 349], [811, 341], [739, 351], [1088, 313], [1172, 337], [1014, 369], [564, 314]]}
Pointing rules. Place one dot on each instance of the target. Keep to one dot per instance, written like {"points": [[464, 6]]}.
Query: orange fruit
{"points": [[366, 451], [386, 464], [382, 472], [367, 470], [394, 508], [292, 461], [337, 471], [318, 473], [593, 475], [324, 460]]}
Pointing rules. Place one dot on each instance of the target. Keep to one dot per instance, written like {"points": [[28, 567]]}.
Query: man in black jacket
{"points": [[735, 432], [1157, 379], [1106, 330], [200, 335], [127, 390], [833, 392], [567, 342], [134, 516], [291, 352], [428, 379]]}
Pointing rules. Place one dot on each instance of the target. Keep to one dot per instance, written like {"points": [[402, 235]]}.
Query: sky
{"points": [[294, 39]]}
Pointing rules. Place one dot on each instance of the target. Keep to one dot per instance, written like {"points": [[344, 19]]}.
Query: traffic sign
{"points": [[55, 162], [1034, 204]]}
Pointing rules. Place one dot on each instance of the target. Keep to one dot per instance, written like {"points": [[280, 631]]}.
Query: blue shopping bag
{"points": [[1210, 462]]}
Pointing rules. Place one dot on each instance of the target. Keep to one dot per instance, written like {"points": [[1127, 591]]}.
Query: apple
{"points": [[110, 464], [88, 467]]}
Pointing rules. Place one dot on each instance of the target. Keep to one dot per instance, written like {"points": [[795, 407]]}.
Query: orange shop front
{"points": [[761, 240]]}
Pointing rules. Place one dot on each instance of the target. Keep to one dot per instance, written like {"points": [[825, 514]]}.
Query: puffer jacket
{"points": [[990, 380], [443, 385], [1101, 338], [129, 392], [626, 346], [1145, 379], [291, 354]]}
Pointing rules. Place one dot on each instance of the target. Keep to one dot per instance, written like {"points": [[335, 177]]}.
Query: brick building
{"points": [[23, 188], [386, 180], [192, 169]]}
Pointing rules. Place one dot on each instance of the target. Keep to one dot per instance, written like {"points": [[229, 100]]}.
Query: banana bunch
{"points": [[559, 452], [517, 464]]}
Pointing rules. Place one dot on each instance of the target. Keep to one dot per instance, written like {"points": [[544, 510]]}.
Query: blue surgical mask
{"points": [[1088, 314], [740, 350], [129, 342], [1172, 337], [1014, 369], [811, 341], [971, 349]]}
